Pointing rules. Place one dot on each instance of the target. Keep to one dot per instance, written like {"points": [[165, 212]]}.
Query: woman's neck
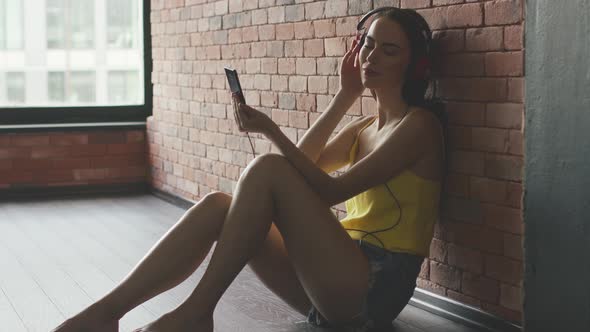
{"points": [[391, 107]]}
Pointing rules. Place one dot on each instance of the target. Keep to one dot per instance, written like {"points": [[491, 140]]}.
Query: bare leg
{"points": [[247, 223], [179, 252]]}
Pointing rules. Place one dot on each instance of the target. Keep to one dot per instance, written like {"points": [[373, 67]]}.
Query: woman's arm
{"points": [[315, 138]]}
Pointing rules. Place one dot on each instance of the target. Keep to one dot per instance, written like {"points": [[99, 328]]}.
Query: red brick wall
{"points": [[46, 159], [287, 53]]}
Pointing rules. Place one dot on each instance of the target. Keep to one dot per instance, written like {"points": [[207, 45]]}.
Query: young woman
{"points": [[358, 272]]}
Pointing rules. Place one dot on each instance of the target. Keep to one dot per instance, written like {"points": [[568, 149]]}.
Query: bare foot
{"points": [[172, 322], [89, 320]]}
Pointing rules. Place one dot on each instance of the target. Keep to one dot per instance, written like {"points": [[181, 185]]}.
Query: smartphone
{"points": [[234, 83]]}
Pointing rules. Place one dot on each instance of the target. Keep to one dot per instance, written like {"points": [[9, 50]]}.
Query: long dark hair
{"points": [[417, 89]]}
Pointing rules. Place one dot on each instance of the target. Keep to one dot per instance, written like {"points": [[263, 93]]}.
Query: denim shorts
{"points": [[392, 280]]}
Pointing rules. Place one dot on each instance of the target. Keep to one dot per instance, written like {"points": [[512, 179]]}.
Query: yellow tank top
{"points": [[376, 209]]}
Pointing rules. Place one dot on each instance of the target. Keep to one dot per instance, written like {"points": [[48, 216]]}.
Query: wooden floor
{"points": [[58, 256]]}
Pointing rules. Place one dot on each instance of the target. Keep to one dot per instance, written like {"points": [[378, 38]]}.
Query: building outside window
{"points": [[11, 24], [71, 53], [15, 87]]}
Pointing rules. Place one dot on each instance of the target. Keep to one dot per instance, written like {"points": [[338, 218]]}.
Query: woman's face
{"points": [[384, 55]]}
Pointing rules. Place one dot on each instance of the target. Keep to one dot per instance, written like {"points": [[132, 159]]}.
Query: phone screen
{"points": [[234, 83]]}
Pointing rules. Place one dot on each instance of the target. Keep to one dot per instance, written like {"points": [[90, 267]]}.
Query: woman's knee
{"points": [[217, 200]]}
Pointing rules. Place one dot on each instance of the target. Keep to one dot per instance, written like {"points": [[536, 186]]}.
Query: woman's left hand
{"points": [[250, 119]]}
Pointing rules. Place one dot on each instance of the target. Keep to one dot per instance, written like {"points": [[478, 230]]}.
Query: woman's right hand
{"points": [[350, 73]]}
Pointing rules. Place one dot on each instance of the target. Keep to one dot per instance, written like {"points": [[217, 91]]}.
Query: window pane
{"points": [[81, 88], [70, 24], [122, 23], [55, 24], [11, 24], [55, 86], [123, 87], [82, 19], [15, 87]]}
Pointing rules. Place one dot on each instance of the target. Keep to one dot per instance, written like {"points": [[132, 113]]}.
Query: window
{"points": [[122, 24], [123, 87], [11, 24], [74, 61], [77, 87], [15, 87], [70, 24]]}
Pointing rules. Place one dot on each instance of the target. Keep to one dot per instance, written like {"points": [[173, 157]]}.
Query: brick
{"points": [[457, 16], [503, 218], [306, 102], [317, 84], [125, 148], [504, 64], [504, 115], [336, 8], [279, 83], [488, 190], [469, 300], [298, 119], [295, 13], [29, 140], [475, 236], [324, 28], [305, 66], [430, 286], [297, 83], [503, 12], [313, 48], [285, 31], [473, 89], [504, 269], [465, 258], [106, 137], [275, 48], [490, 140], [504, 167], [415, 4], [276, 14], [327, 66], [266, 32], [467, 162], [467, 114], [294, 48], [286, 66], [303, 30], [463, 64], [287, 101], [516, 89], [466, 210], [346, 26], [445, 275], [314, 10], [515, 194], [515, 143], [359, 7], [513, 246], [481, 287], [513, 37], [268, 99], [438, 250], [449, 41], [335, 46], [484, 39], [269, 66], [425, 269]]}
